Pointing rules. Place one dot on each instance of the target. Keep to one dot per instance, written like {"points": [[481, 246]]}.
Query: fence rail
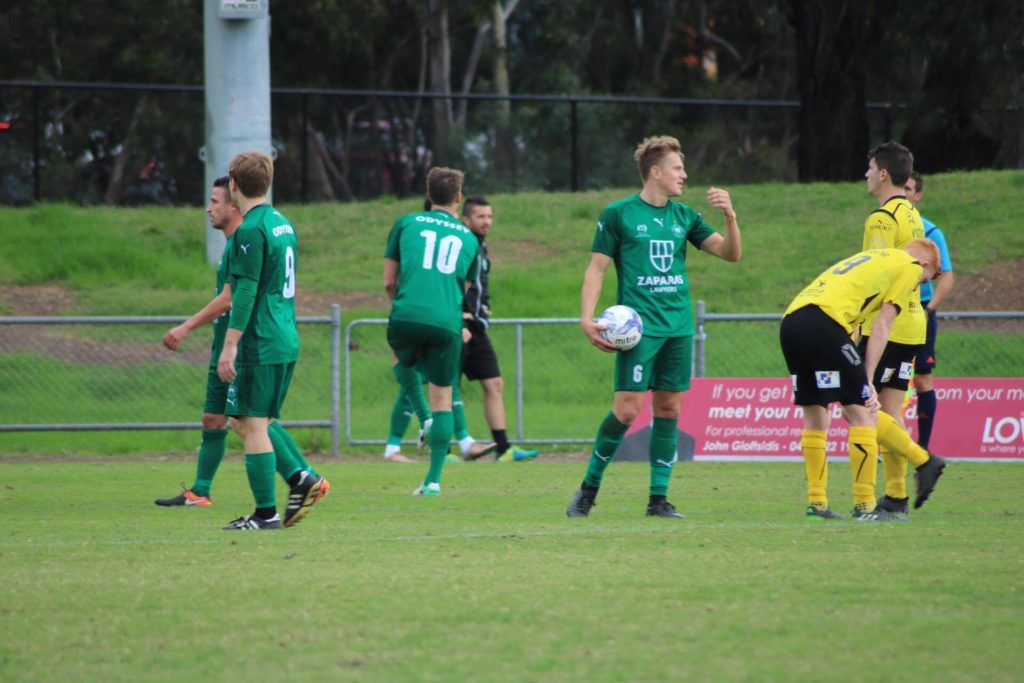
{"points": [[104, 373]]}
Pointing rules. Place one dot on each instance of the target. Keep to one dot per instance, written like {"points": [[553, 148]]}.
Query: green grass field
{"points": [[491, 582]]}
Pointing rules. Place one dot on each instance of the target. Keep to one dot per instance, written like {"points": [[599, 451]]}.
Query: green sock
{"points": [[260, 468], [412, 386], [211, 452], [458, 414], [609, 436], [440, 438], [664, 440], [401, 416], [289, 457]]}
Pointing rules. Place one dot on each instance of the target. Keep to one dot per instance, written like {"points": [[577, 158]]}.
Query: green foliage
{"points": [[492, 582]]}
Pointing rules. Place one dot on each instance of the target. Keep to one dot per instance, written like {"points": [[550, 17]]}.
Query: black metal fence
{"points": [[129, 143]]}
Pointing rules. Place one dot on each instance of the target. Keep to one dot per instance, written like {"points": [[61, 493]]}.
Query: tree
{"points": [[833, 123]]}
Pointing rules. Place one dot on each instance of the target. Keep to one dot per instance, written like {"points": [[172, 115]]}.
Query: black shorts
{"points": [[822, 360], [924, 362], [479, 361], [895, 367]]}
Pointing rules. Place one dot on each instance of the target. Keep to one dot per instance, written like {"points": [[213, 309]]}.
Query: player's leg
{"points": [[811, 341], [290, 461], [211, 448], [863, 452], [929, 467], [247, 400], [670, 378], [411, 388], [438, 352], [401, 417], [305, 486], [480, 362], [632, 374], [459, 426], [924, 364]]}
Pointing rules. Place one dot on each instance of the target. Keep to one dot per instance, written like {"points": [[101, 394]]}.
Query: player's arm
{"points": [[593, 279], [217, 307], [728, 247], [941, 287], [943, 284], [391, 278]]}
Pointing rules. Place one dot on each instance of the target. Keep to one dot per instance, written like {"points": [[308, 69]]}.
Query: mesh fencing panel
{"points": [[113, 373]]}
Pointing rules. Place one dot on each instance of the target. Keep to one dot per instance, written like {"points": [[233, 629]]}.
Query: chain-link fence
{"points": [[112, 374], [133, 143], [557, 387]]}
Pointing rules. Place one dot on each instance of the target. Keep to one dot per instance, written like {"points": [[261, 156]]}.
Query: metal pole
{"points": [[335, 380], [574, 132], [35, 143], [699, 341], [348, 384], [519, 382], [236, 51], [305, 147]]}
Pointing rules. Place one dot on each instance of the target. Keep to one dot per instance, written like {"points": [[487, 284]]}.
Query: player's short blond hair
{"points": [[444, 185], [253, 172], [652, 150], [927, 248]]}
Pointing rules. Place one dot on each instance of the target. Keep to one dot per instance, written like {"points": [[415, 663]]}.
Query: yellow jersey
{"points": [[854, 289], [894, 225]]}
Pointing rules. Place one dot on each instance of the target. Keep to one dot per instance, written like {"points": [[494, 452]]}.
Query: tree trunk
{"points": [[833, 122], [502, 132], [439, 50], [115, 187]]}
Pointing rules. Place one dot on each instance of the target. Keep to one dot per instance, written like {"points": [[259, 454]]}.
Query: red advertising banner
{"points": [[755, 419]]}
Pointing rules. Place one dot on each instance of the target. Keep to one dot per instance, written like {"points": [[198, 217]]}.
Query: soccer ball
{"points": [[624, 327]]}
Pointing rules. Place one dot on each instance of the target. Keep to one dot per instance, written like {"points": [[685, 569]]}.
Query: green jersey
{"points": [[648, 245], [220, 325], [435, 253], [266, 252]]}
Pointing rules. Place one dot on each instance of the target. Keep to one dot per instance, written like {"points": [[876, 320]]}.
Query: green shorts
{"points": [[216, 393], [659, 363], [434, 351], [259, 390]]}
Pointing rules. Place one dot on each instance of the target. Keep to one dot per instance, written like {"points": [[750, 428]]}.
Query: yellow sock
{"points": [[812, 443], [897, 440], [864, 463], [895, 474]]}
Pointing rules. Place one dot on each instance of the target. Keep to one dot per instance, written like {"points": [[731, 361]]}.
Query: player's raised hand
{"points": [[592, 329], [720, 199]]}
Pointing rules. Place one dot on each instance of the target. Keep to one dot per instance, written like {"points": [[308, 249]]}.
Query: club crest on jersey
{"points": [[662, 254], [677, 230], [641, 228], [827, 379]]}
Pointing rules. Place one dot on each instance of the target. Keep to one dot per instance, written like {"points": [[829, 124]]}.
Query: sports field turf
{"points": [[491, 582]]}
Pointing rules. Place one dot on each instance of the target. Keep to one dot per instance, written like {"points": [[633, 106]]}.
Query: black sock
{"points": [[265, 513], [501, 438]]}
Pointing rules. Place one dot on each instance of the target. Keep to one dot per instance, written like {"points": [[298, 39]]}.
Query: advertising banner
{"points": [[755, 419]]}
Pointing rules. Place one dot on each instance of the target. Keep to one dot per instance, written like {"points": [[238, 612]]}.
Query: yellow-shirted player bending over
{"points": [[894, 224], [817, 341]]}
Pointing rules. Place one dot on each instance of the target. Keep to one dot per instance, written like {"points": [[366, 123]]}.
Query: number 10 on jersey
{"points": [[447, 252]]}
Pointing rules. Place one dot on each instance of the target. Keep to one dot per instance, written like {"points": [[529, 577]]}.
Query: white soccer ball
{"points": [[624, 327]]}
